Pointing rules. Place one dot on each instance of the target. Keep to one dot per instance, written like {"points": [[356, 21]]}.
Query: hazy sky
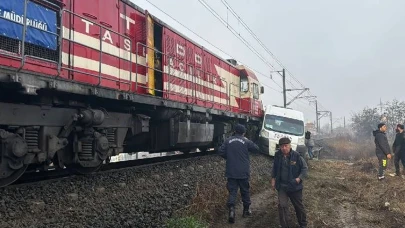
{"points": [[349, 53]]}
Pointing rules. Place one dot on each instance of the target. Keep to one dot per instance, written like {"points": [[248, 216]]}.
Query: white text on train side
{"points": [[107, 34]]}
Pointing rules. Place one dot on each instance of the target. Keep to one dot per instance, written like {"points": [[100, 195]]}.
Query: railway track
{"points": [[51, 175]]}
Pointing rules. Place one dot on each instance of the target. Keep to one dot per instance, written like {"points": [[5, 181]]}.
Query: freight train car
{"points": [[81, 81]]}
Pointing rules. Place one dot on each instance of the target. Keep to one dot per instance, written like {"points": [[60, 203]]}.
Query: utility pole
{"points": [[381, 106], [284, 90], [322, 113], [331, 127], [317, 118], [344, 122]]}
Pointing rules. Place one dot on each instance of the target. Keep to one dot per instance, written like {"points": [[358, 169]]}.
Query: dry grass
{"points": [[337, 193], [210, 198], [347, 149], [340, 194], [348, 194]]}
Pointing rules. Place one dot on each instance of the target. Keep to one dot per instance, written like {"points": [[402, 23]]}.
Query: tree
{"points": [[364, 122], [394, 112], [367, 120]]}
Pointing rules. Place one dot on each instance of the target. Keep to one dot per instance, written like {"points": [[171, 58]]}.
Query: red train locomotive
{"points": [[81, 81]]}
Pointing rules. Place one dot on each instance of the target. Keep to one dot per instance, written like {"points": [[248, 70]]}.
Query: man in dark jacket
{"points": [[382, 149], [289, 170], [235, 150], [309, 142], [398, 148]]}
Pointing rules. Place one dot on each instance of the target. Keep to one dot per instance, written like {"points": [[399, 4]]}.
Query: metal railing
{"points": [[173, 73], [193, 84], [20, 49], [101, 29]]}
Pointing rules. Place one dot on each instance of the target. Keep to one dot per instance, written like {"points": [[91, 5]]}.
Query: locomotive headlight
{"points": [[264, 134]]}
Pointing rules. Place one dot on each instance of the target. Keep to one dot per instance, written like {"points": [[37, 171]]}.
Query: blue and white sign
{"points": [[41, 23]]}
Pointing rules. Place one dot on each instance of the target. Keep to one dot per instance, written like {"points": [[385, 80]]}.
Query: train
{"points": [[81, 81]]}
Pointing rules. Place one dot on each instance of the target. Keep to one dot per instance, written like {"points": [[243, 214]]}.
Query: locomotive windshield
{"points": [[255, 89], [284, 125], [244, 84]]}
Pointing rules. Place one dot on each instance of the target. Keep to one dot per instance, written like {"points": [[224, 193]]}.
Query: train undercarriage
{"points": [[43, 125]]}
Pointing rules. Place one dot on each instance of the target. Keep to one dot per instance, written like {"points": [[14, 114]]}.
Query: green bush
{"points": [[186, 222]]}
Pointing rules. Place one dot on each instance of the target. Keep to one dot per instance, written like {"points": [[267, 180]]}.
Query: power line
{"points": [[257, 38], [249, 30], [247, 44], [219, 49], [301, 101], [260, 42], [222, 51], [213, 12]]}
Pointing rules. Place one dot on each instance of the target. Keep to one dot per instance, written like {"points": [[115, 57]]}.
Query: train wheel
{"points": [[92, 151], [13, 152], [12, 177]]}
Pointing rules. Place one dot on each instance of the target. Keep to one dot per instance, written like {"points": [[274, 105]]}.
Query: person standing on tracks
{"points": [[235, 150], [309, 142], [398, 148], [289, 170], [382, 149]]}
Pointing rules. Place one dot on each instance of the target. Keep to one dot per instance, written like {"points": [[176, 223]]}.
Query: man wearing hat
{"points": [[398, 148], [382, 149], [289, 170], [235, 150]]}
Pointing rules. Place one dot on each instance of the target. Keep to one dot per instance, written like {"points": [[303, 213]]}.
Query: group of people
{"points": [[383, 150], [288, 172]]}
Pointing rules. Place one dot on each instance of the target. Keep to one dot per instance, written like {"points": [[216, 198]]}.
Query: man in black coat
{"points": [[235, 150], [398, 148], [382, 149], [289, 170]]}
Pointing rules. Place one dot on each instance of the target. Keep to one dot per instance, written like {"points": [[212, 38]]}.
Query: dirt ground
{"points": [[336, 194]]}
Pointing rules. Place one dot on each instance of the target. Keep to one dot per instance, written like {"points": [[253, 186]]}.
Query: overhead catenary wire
{"points": [[213, 12], [222, 51], [245, 42], [254, 36], [240, 20], [257, 39], [219, 49]]}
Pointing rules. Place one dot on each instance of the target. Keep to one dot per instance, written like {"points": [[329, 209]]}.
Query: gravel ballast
{"points": [[136, 197]]}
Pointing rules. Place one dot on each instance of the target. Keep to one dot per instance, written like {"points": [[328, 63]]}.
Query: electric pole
{"points": [[344, 122], [381, 106], [331, 127], [317, 118], [284, 90], [323, 113]]}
